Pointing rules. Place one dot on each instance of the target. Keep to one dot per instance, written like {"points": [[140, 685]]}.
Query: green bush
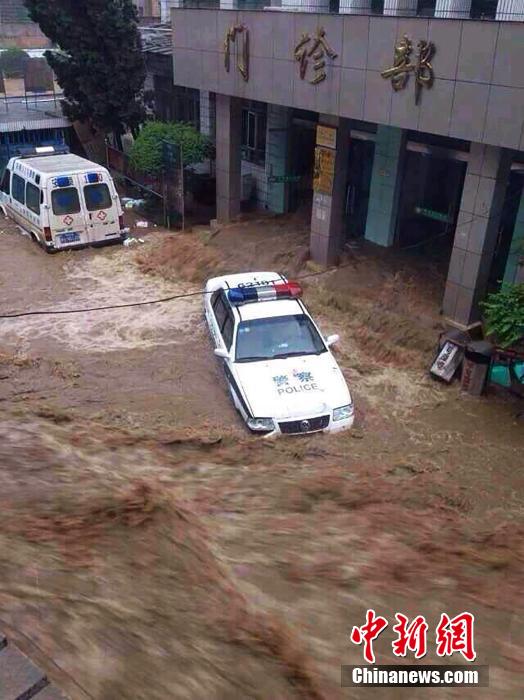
{"points": [[504, 314], [13, 61], [146, 153]]}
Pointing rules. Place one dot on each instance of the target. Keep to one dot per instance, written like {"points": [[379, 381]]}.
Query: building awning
{"points": [[33, 124]]}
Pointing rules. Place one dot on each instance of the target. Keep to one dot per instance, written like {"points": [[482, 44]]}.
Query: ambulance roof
{"points": [[65, 164]]}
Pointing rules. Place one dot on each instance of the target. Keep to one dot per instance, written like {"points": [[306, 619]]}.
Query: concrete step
{"points": [[50, 693], [20, 678]]}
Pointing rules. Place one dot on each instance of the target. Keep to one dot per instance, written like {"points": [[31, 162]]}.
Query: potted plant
{"points": [[504, 316], [504, 324]]}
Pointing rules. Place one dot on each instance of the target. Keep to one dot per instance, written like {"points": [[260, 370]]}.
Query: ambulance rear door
{"points": [[101, 203], [67, 216]]}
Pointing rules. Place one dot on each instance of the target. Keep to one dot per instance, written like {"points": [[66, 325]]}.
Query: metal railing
{"points": [[508, 10]]}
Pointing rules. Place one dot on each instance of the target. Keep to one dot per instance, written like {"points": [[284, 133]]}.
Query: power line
{"points": [[162, 300], [58, 312], [175, 297]]}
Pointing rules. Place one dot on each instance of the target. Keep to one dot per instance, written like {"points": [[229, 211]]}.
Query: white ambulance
{"points": [[61, 200]]}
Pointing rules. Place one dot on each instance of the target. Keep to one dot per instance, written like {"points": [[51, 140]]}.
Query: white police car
{"points": [[281, 373]]}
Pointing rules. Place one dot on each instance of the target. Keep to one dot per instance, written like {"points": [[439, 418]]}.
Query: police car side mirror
{"points": [[332, 339], [220, 352]]}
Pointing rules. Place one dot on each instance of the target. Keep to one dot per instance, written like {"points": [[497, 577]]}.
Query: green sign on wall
{"points": [[283, 178], [431, 214]]}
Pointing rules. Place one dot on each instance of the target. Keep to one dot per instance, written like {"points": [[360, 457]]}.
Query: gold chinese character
{"points": [[243, 55], [317, 51], [424, 75], [403, 66]]}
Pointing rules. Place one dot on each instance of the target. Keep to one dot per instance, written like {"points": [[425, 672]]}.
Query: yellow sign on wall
{"points": [[324, 172], [326, 136]]}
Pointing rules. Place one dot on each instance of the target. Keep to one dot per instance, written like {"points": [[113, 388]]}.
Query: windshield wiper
{"points": [[283, 355], [255, 358]]}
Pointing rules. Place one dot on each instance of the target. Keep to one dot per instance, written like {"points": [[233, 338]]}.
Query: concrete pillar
{"points": [[165, 9], [510, 10], [277, 156], [514, 272], [400, 7], [354, 7], [476, 233], [457, 9], [206, 118], [386, 180], [327, 215], [228, 157]]}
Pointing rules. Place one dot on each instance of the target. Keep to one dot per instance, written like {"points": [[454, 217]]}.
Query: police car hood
{"points": [[294, 387]]}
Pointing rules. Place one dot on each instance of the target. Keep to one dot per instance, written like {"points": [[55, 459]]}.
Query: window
{"points": [[426, 8], [65, 201], [32, 198], [5, 185], [484, 9], [278, 336], [254, 133], [97, 197], [227, 332], [18, 189], [220, 310]]}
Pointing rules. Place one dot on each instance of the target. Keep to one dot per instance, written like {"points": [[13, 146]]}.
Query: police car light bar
{"points": [[271, 292]]}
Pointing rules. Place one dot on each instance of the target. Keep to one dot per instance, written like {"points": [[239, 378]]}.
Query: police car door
{"points": [[217, 317]]}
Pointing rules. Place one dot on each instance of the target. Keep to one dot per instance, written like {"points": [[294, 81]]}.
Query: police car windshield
{"points": [[277, 337]]}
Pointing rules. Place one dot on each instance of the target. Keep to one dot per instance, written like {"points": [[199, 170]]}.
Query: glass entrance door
{"points": [[507, 250], [359, 181], [429, 199]]}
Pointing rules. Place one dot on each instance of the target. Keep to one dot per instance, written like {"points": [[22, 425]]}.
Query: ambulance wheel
{"points": [[51, 251]]}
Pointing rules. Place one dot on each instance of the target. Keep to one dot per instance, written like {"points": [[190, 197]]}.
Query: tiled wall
{"points": [[259, 177], [478, 92]]}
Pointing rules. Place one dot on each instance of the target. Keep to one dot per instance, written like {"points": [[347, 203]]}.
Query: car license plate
{"points": [[69, 237]]}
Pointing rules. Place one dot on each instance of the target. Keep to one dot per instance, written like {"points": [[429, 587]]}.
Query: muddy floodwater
{"points": [[151, 548]]}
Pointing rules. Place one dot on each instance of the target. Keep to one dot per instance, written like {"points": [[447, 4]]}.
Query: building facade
{"points": [[400, 122], [148, 10], [17, 30]]}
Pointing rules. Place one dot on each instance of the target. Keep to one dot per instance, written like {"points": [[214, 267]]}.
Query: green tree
{"points": [[146, 153], [13, 61], [99, 62], [504, 314]]}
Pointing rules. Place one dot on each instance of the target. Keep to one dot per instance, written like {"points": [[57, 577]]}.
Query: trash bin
{"points": [[449, 354], [477, 358]]}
